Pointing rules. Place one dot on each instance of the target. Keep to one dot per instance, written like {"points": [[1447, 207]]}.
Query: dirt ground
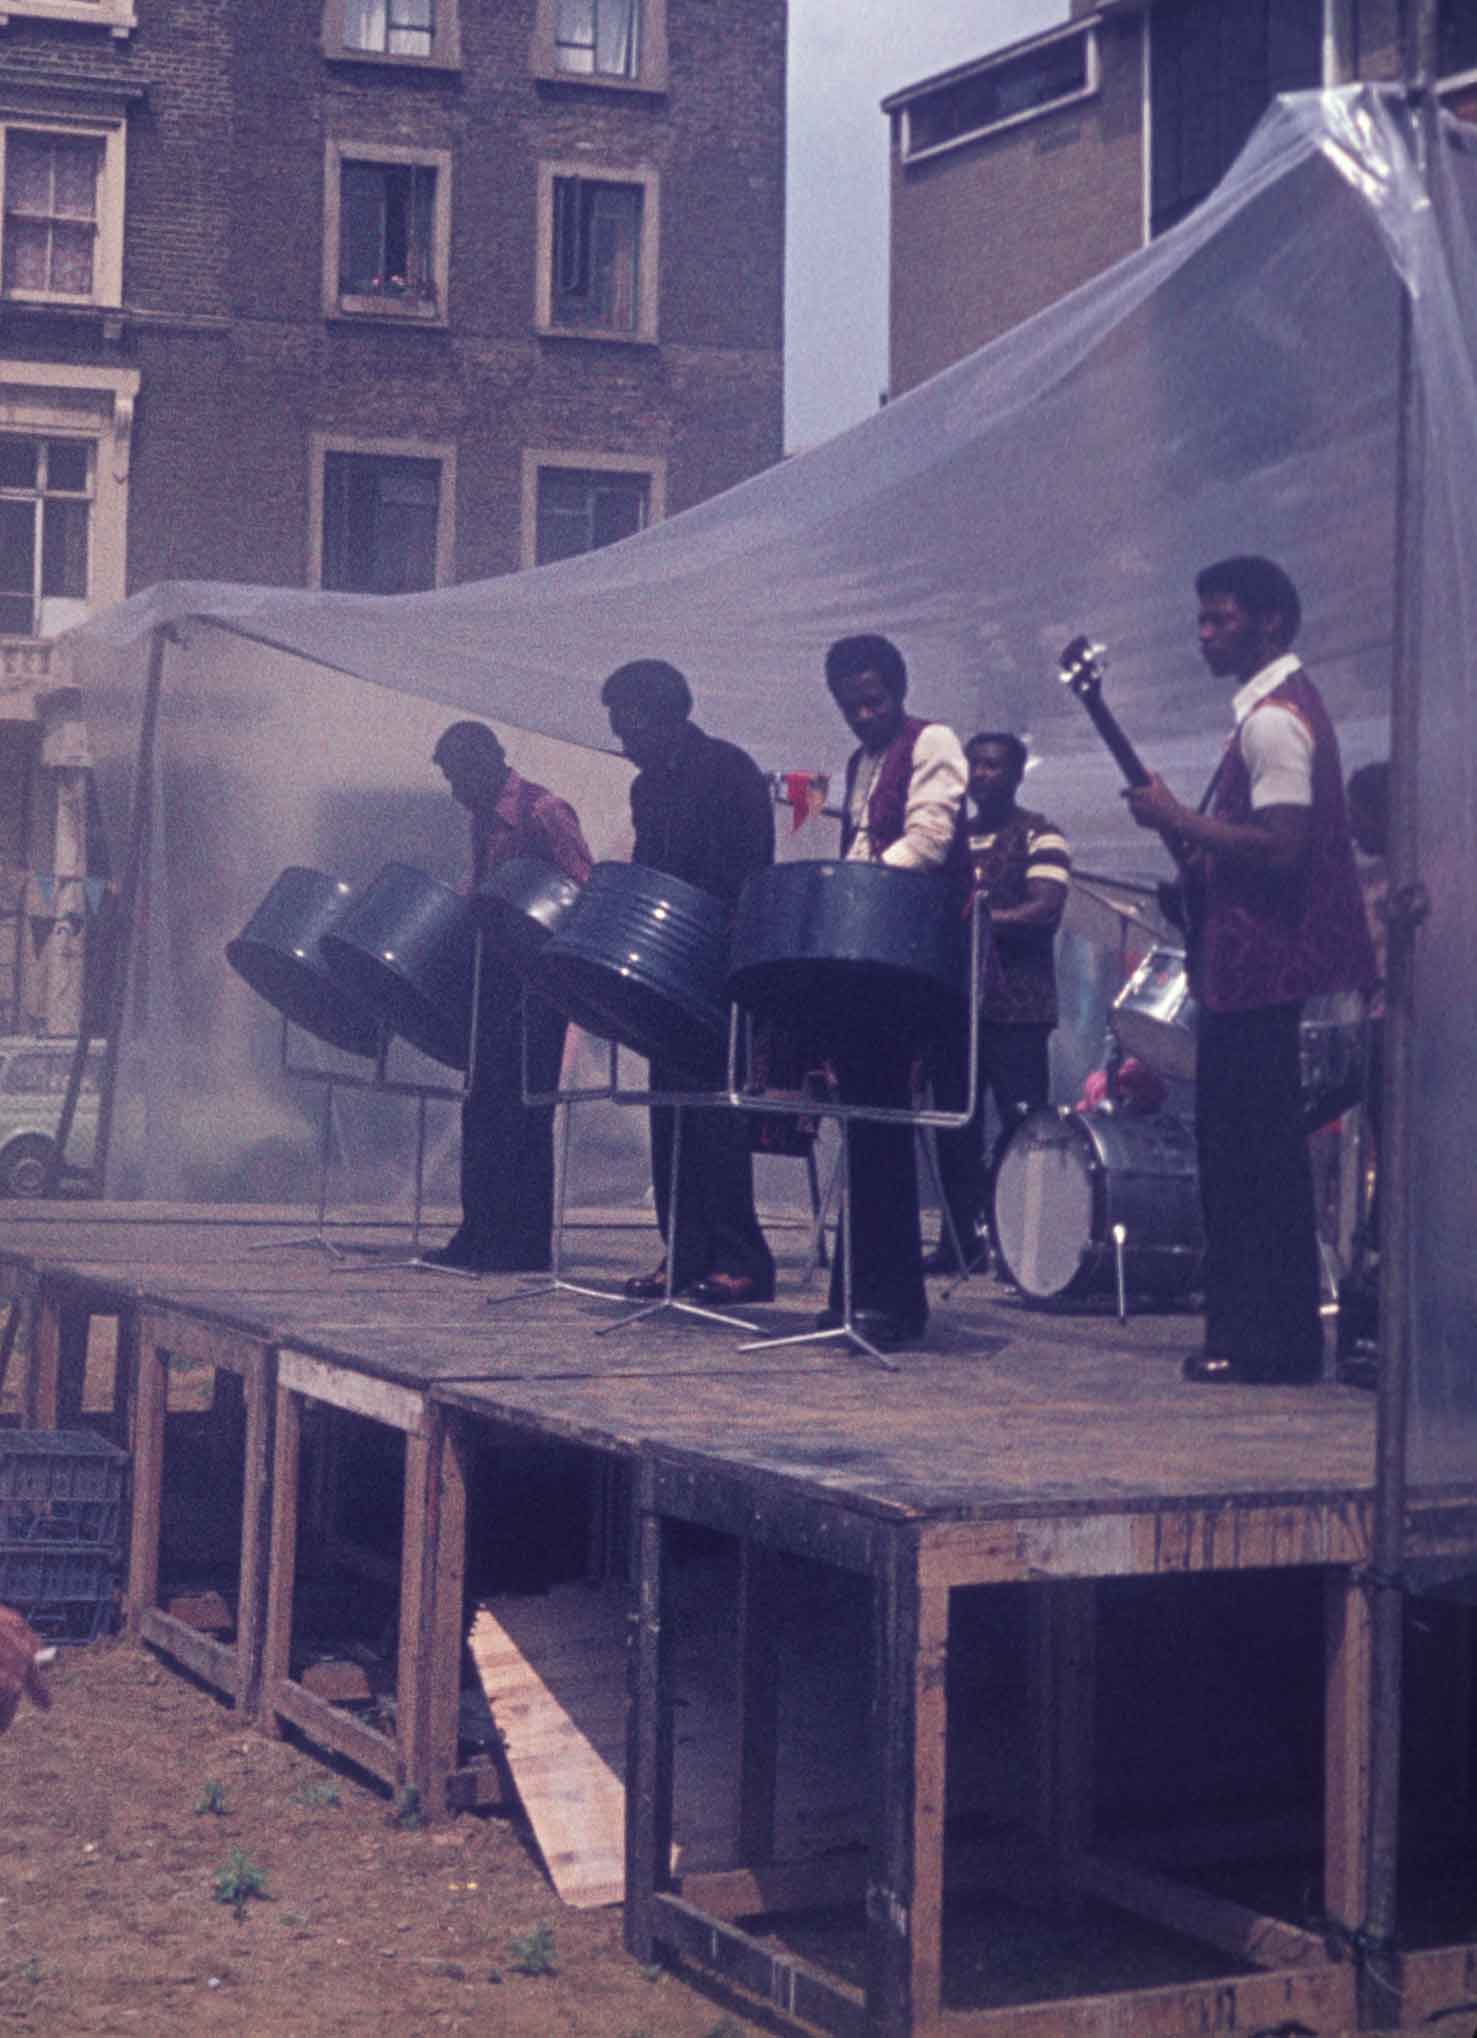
{"points": [[127, 1801]]}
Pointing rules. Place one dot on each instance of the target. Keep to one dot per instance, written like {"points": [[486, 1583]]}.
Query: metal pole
{"points": [[1379, 1975]]}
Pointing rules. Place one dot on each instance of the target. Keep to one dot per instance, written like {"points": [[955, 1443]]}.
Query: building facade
{"points": [[373, 295], [1026, 173]]}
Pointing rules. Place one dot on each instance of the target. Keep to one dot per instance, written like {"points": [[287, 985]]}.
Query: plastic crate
{"points": [[61, 1487], [66, 1595]]}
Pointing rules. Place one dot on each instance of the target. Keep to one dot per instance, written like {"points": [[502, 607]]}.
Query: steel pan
{"points": [[1155, 1017], [1068, 1179], [846, 948], [639, 959], [278, 953], [405, 948], [519, 906]]}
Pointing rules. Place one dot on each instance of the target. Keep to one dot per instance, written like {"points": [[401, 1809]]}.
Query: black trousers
{"points": [[882, 1186], [1014, 1072], [717, 1229], [508, 1149], [1256, 1190]]}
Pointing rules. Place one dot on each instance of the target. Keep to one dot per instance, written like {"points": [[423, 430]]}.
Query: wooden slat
{"points": [[359, 1393], [1348, 1679], [339, 1731], [1232, 1927], [213, 1661], [1309, 1999], [793, 1987]]}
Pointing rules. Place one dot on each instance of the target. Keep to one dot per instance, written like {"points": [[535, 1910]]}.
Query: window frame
{"points": [[645, 332], [109, 129], [350, 305], [442, 451], [446, 40], [651, 70], [53, 400], [902, 104], [116, 16], [651, 467]]}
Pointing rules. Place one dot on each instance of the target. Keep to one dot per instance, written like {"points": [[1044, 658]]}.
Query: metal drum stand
{"points": [[846, 1115]]}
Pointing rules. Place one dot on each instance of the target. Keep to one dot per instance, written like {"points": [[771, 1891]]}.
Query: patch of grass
{"points": [[407, 1814], [239, 1882], [725, 2028], [31, 1971], [532, 1952], [213, 1799], [314, 1794]]}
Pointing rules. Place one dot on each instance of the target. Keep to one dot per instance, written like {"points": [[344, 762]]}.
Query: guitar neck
{"points": [[1124, 755]]}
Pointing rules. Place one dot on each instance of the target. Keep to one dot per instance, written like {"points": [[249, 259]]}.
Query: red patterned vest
{"points": [[887, 807], [1277, 937]]}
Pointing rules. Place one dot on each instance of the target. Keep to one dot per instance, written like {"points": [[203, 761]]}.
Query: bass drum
{"points": [[1068, 1179]]}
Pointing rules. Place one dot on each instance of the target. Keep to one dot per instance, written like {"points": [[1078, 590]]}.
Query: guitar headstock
{"points": [[1082, 664]]}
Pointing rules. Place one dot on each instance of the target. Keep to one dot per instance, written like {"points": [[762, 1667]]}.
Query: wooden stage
{"points": [[1023, 1511]]}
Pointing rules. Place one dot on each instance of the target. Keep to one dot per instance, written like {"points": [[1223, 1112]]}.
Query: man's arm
{"points": [[935, 794], [1043, 905], [1274, 839], [564, 839]]}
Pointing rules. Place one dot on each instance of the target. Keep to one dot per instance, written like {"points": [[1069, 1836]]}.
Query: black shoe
{"points": [[650, 1287], [463, 1254], [879, 1327], [465, 1257], [728, 1289], [1219, 1368]]}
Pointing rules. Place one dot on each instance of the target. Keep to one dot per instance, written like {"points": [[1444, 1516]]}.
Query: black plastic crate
{"points": [[66, 1595], [61, 1487]]}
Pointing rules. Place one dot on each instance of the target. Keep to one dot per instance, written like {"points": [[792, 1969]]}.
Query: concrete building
{"points": [[363, 294], [1019, 176]]}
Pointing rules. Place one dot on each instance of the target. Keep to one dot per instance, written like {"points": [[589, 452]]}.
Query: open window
{"points": [[409, 32], [387, 233], [382, 515], [597, 252], [620, 44]]}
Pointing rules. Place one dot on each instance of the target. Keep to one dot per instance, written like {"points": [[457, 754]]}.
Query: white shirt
{"points": [[935, 791], [1276, 744]]}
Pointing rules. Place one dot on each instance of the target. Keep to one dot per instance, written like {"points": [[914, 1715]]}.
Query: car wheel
{"points": [[24, 1167]]}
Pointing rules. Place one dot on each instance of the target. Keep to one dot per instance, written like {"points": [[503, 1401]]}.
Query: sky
{"points": [[846, 56]]}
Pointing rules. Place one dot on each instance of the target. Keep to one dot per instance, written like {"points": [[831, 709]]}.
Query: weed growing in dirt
{"points": [[32, 1970], [314, 1794], [213, 1799], [238, 1882], [725, 2028], [407, 1814], [532, 1952]]}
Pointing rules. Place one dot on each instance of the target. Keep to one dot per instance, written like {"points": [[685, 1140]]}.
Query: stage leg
{"points": [[649, 1735]]}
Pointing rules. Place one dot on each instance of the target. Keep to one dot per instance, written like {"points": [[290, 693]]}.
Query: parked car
{"points": [[33, 1088]]}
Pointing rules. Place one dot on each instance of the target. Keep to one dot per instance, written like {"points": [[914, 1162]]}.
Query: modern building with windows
{"points": [[1021, 175], [370, 295]]}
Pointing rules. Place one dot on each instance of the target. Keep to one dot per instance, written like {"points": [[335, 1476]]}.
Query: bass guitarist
{"points": [[1273, 917]]}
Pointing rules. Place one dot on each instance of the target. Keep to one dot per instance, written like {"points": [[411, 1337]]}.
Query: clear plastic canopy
{"points": [[1233, 387]]}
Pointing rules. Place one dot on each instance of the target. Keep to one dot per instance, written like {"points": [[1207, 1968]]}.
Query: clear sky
{"points": [[845, 57]]}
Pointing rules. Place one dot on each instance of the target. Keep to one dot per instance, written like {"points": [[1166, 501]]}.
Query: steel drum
{"points": [[406, 949], [639, 959], [851, 948], [1067, 1180], [1332, 1049], [278, 952], [1155, 1017], [519, 906]]}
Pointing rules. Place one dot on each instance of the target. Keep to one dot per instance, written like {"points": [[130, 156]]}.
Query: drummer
{"points": [[507, 1146], [1021, 863], [703, 813], [904, 807]]}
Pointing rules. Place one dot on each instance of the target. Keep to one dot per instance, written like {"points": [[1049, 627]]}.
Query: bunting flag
{"points": [[96, 890], [46, 884], [806, 792]]}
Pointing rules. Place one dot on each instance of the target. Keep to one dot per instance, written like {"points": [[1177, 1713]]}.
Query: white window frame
{"points": [[446, 41], [49, 400], [338, 305], [1086, 30], [538, 459], [648, 254], [117, 16], [442, 451], [651, 72], [111, 130]]}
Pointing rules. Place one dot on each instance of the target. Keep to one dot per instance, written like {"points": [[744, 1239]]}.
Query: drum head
{"points": [[278, 954], [405, 950], [1044, 1203]]}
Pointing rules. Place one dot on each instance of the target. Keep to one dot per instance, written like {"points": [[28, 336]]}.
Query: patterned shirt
{"points": [[1020, 973], [529, 820]]}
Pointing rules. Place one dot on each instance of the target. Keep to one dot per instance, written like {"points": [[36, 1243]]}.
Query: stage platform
{"points": [[1021, 1461]]}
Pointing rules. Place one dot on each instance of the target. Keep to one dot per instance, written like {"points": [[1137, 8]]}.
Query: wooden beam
{"points": [[282, 1553], [1348, 1666], [649, 1728], [1315, 1999], [757, 1766], [793, 1987], [214, 1662], [1063, 1670], [330, 1728], [142, 1589], [359, 1393], [1244, 1933]]}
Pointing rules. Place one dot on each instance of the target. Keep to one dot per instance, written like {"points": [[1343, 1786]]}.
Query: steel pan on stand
{"points": [[279, 953], [519, 906], [406, 948]]}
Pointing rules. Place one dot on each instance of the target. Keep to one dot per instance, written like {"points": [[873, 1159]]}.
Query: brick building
{"points": [[1019, 176], [363, 294]]}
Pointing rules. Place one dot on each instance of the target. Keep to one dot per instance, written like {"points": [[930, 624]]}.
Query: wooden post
{"points": [[148, 1484], [282, 1552], [648, 1730], [1063, 1692], [1346, 1748], [758, 1703], [909, 1770], [433, 1565], [256, 1531]]}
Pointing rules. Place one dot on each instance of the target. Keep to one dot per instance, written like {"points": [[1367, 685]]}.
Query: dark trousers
{"points": [[1256, 1190], [508, 1149], [882, 1186], [1014, 1071], [717, 1229]]}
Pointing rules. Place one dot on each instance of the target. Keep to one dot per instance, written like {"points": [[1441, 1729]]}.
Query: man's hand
{"points": [[1155, 806], [20, 1675]]}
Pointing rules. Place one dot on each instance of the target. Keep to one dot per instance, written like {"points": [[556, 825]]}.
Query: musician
{"points": [[702, 813], [1274, 918], [507, 1147], [904, 807], [1021, 863]]}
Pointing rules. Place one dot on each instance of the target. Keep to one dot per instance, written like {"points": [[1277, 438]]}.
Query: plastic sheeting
{"points": [[1233, 387]]}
